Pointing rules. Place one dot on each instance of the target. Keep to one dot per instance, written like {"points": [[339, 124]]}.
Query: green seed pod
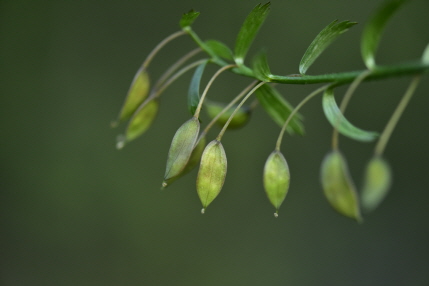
{"points": [[142, 119], [211, 174], [137, 92], [193, 161], [239, 120], [276, 179], [338, 187], [376, 183], [181, 148]]}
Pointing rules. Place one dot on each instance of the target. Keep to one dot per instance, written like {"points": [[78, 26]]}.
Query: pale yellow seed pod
{"points": [[142, 119], [137, 92], [276, 179], [239, 120], [212, 172], [338, 187], [376, 183], [181, 148]]}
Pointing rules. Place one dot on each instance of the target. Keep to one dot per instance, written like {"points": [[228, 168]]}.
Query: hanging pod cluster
{"points": [[188, 148]]}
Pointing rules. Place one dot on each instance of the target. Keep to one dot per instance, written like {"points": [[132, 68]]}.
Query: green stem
{"points": [[219, 137], [203, 96], [350, 91], [292, 114], [387, 132], [160, 46]]}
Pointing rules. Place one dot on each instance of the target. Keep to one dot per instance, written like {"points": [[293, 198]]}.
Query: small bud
{"points": [[142, 119], [137, 92], [193, 161], [338, 187], [181, 148], [276, 179], [376, 183], [240, 118], [212, 172]]}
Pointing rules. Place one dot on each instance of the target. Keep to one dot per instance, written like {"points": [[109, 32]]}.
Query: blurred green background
{"points": [[76, 211]]}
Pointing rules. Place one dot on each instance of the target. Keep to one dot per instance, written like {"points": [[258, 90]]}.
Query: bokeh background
{"points": [[76, 211]]}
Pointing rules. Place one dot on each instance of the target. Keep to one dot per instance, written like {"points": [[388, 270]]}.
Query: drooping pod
{"points": [[240, 118], [212, 172], [338, 187], [376, 183], [276, 179], [192, 162], [142, 119], [137, 93], [181, 148]]}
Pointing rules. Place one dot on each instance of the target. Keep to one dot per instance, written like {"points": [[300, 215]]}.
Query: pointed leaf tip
{"points": [[189, 18]]}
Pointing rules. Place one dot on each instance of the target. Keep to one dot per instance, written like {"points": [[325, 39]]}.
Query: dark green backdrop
{"points": [[75, 211]]}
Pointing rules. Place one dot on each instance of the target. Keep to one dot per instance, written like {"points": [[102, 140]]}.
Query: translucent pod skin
{"points": [[212, 173], [142, 119], [137, 92], [338, 187], [276, 179], [377, 182], [181, 148]]}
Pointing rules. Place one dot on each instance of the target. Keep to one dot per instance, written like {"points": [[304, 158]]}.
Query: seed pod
{"points": [[181, 148], [239, 120], [376, 183], [142, 119], [212, 172], [137, 92], [338, 187], [276, 179], [193, 161]]}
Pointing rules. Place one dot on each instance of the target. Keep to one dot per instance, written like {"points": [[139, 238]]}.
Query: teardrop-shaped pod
{"points": [[338, 187], [376, 183], [212, 172], [240, 118], [142, 119], [181, 148], [276, 179], [137, 92], [193, 161]]}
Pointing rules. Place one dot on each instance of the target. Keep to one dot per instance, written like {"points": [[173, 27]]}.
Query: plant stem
{"points": [[219, 137], [291, 115], [159, 46], [234, 101], [387, 132], [344, 104], [203, 96]]}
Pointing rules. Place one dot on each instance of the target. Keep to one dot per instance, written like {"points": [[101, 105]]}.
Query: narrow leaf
{"points": [[338, 186], [261, 67], [373, 29], [219, 49], [377, 182], [248, 31], [322, 41], [194, 88], [338, 121], [188, 18], [279, 109]]}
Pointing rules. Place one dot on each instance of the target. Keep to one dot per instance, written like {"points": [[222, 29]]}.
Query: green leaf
{"points": [[261, 67], [338, 121], [219, 49], [279, 109], [240, 118], [377, 182], [338, 187], [248, 31], [322, 41], [194, 88], [425, 56], [373, 29], [189, 18]]}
